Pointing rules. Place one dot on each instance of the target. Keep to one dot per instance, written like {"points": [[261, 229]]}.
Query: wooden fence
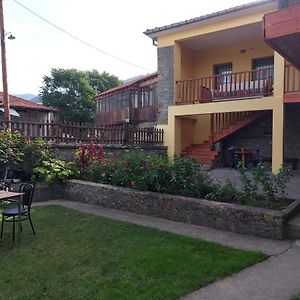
{"points": [[82, 133]]}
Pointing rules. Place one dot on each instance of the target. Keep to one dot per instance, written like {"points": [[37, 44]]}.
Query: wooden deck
{"points": [[282, 32]]}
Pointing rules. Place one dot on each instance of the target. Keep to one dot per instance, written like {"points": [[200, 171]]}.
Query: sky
{"points": [[114, 26]]}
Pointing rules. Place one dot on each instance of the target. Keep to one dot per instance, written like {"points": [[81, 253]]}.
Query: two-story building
{"points": [[230, 80], [134, 102]]}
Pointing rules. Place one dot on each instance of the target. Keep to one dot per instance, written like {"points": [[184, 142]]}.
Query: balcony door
{"points": [[264, 68], [223, 76]]}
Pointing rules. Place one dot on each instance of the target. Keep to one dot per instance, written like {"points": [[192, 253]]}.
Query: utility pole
{"points": [[4, 70]]}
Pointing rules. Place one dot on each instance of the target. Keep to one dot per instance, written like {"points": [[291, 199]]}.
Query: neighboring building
{"points": [[134, 102], [222, 83], [25, 110]]}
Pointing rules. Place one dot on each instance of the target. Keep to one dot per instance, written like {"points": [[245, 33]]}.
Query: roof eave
{"points": [[224, 14]]}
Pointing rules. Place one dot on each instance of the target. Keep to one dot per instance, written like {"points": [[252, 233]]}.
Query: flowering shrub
{"points": [[88, 155], [181, 176]]}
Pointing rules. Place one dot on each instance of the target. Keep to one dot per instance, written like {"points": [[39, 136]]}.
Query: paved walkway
{"points": [[225, 174], [276, 278]]}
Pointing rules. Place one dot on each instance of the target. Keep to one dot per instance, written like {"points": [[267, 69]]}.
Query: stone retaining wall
{"points": [[236, 218]]}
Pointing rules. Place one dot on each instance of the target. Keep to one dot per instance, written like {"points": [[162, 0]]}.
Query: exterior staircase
{"points": [[201, 153], [222, 126]]}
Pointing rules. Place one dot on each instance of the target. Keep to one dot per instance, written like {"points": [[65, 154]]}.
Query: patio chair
{"points": [[11, 215]]}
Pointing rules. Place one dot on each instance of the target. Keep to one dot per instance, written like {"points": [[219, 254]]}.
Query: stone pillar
{"points": [[165, 88]]}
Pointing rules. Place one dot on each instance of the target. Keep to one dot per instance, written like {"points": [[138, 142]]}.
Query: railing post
{"points": [[212, 130], [126, 132]]}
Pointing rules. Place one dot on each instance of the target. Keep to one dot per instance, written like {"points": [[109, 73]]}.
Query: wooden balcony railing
{"points": [[81, 133], [226, 87], [291, 79]]}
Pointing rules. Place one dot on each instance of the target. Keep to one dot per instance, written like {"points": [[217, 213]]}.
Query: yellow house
{"points": [[222, 83]]}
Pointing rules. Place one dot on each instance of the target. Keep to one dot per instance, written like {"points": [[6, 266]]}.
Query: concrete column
{"points": [[278, 75], [278, 137]]}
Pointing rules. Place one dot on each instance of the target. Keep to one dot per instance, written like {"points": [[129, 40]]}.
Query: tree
{"points": [[72, 92], [102, 82]]}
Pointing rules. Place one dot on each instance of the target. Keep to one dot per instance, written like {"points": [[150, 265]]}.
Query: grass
{"points": [[80, 256], [296, 297]]}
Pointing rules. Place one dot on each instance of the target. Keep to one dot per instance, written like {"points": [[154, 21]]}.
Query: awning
{"points": [[12, 112]]}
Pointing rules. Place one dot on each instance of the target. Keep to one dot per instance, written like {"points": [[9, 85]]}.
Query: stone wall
{"points": [[67, 151], [165, 88], [236, 218], [258, 135], [43, 191]]}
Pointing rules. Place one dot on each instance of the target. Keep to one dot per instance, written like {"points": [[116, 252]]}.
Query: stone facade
{"points": [[165, 89], [236, 218], [44, 191], [257, 135]]}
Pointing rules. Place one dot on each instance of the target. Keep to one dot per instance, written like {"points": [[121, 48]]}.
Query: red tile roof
{"points": [[17, 102], [126, 85]]}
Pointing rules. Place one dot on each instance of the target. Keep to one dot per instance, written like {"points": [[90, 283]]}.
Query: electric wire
{"points": [[80, 40]]}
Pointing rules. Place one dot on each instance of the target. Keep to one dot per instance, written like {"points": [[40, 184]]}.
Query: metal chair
{"points": [[11, 215]]}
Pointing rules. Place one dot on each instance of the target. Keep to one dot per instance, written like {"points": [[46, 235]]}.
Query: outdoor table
{"points": [[5, 195], [243, 153]]}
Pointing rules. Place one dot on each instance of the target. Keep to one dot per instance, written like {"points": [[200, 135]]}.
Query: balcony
{"points": [[234, 86], [281, 30]]}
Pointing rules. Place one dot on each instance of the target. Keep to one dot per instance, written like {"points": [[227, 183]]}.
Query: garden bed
{"points": [[261, 222]]}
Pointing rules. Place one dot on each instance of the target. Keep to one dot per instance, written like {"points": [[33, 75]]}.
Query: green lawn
{"points": [[80, 256]]}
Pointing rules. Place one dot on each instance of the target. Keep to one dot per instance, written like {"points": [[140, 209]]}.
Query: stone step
{"points": [[293, 227]]}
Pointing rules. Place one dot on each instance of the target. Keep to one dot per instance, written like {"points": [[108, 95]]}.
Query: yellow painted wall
{"points": [[187, 132], [201, 129], [204, 60], [187, 63]]}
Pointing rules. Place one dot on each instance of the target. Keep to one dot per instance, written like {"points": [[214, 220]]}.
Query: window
{"points": [[264, 67], [134, 98], [224, 71]]}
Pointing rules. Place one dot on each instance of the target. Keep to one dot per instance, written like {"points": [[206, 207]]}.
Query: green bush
{"points": [[180, 176], [11, 149], [296, 297], [39, 162], [258, 182], [183, 176], [52, 170]]}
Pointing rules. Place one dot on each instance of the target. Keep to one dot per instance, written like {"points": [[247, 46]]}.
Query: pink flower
{"points": [[103, 174]]}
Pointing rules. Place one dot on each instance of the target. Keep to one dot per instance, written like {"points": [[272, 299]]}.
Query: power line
{"points": [[80, 40]]}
